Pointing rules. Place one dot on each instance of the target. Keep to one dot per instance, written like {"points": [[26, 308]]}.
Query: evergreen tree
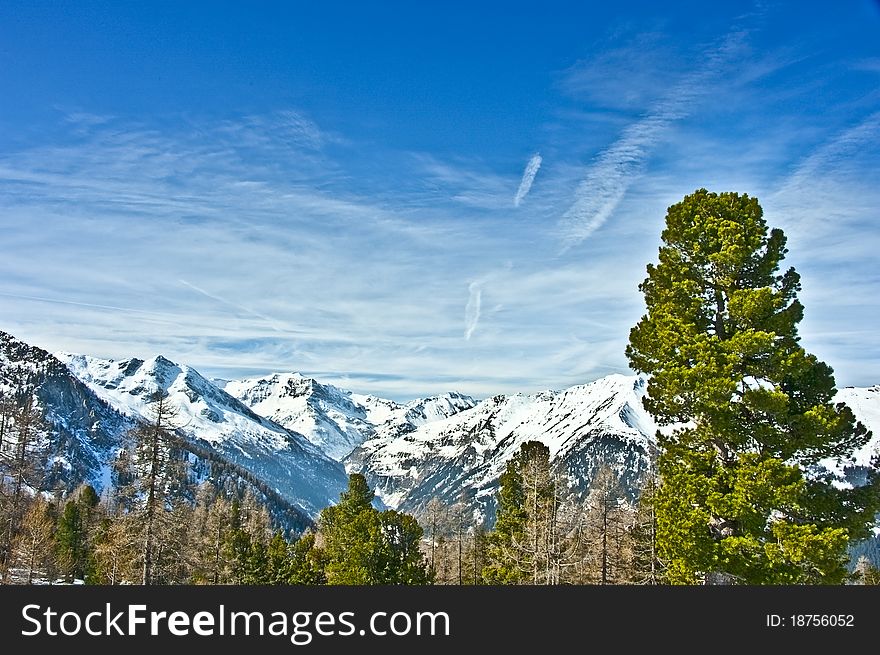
{"points": [[70, 543], [511, 517], [73, 552], [277, 559], [721, 346], [398, 541], [305, 565], [257, 565], [362, 546], [238, 544], [247, 542], [530, 544]]}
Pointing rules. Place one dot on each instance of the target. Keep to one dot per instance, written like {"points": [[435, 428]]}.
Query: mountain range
{"points": [[297, 438]]}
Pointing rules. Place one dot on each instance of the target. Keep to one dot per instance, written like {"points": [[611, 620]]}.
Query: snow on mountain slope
{"points": [[463, 456], [283, 459], [448, 446], [407, 417], [326, 415], [584, 427], [82, 432], [865, 404], [336, 420]]}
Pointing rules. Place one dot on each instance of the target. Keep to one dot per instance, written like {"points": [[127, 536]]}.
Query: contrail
{"points": [[802, 179], [275, 325], [608, 179], [528, 177], [81, 304], [472, 310]]}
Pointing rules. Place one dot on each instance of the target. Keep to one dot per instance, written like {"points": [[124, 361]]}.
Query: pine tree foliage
{"points": [[363, 546], [720, 344], [537, 536], [73, 550]]}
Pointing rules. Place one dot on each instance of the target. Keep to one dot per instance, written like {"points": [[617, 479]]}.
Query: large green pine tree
{"points": [[720, 344], [363, 546]]}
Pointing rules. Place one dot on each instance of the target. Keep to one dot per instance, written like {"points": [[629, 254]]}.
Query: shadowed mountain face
{"points": [[90, 405], [282, 459], [82, 433]]}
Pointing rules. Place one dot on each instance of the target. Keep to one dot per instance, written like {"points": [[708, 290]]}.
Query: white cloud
{"points": [[472, 309], [608, 179], [832, 160], [527, 179], [464, 182]]}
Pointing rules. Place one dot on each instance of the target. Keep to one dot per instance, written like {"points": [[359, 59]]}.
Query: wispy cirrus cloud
{"points": [[247, 243], [469, 183], [283, 129], [837, 157], [827, 205], [609, 177], [271, 322], [624, 77], [244, 255]]}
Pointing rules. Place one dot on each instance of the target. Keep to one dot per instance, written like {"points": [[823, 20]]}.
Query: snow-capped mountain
{"points": [[336, 420], [299, 437], [584, 427], [279, 457], [83, 432], [391, 418], [865, 404], [462, 457], [328, 416]]}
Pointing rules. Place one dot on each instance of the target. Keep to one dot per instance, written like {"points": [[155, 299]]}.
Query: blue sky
{"points": [[405, 198]]}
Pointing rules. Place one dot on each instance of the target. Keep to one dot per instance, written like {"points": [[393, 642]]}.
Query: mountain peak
{"points": [[335, 419], [282, 457]]}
